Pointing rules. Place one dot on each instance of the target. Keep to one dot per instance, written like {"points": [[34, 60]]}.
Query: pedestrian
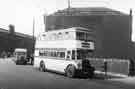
{"points": [[105, 68], [132, 67]]}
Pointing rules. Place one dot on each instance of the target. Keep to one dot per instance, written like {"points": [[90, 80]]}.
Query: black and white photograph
{"points": [[67, 44]]}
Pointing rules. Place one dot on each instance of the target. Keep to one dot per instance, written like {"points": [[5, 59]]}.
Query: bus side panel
{"points": [[50, 64], [46, 61], [64, 63]]}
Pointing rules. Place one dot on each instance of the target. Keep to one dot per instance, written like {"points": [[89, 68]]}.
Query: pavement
{"points": [[6, 60], [127, 80], [117, 77]]}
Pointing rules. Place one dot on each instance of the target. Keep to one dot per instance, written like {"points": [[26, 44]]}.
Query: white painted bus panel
{"points": [[57, 65], [69, 44]]}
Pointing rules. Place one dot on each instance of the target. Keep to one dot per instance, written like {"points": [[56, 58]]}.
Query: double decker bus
{"points": [[65, 51]]}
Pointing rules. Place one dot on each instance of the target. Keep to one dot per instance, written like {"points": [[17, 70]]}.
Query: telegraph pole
{"points": [[131, 12], [33, 34], [33, 28], [69, 4], [45, 19], [131, 18], [33, 42]]}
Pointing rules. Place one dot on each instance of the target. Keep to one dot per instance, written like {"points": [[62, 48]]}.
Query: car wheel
{"points": [[16, 62], [25, 63]]}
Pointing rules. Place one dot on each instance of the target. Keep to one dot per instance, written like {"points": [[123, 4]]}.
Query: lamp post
{"points": [[68, 3], [33, 43]]}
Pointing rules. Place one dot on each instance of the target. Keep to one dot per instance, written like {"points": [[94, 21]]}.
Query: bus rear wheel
{"points": [[42, 66], [70, 71]]}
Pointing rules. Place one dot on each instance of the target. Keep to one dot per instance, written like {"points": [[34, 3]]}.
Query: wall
{"points": [[8, 42]]}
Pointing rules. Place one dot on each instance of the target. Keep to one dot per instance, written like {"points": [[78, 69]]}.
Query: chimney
{"points": [[11, 29], [130, 12]]}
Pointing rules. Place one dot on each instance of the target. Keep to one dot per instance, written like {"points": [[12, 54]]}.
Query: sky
{"points": [[22, 12]]}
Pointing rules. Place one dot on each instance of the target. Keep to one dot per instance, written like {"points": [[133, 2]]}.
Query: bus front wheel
{"points": [[42, 66], [70, 71]]}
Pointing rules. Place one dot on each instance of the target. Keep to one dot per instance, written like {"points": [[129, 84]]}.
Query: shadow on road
{"points": [[96, 76], [103, 76], [99, 77]]}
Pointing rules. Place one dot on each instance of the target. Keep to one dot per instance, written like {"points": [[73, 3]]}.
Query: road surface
{"points": [[26, 77]]}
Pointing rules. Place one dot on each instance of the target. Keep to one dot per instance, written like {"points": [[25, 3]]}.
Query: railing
{"points": [[118, 66]]}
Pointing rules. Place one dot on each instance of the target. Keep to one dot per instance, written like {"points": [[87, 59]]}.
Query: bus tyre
{"points": [[17, 62], [42, 66], [70, 71]]}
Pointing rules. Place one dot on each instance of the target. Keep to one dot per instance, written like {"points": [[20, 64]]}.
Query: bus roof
{"points": [[72, 29]]}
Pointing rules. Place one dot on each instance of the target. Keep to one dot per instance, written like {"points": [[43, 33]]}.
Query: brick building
{"points": [[113, 29], [9, 40]]}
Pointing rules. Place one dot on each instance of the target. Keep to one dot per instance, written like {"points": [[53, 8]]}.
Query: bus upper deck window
{"points": [[80, 35]]}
